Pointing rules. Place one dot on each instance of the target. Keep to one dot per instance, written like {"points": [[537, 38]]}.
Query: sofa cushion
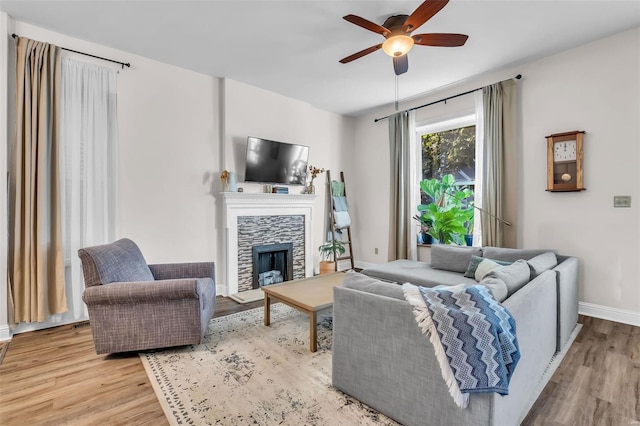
{"points": [[541, 263], [418, 273], [475, 261], [121, 261], [515, 276], [511, 254], [357, 281], [496, 286], [452, 258]]}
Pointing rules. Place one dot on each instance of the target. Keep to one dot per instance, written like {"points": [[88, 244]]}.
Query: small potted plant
{"points": [[328, 251]]}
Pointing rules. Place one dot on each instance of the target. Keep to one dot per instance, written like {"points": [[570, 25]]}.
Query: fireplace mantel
{"points": [[237, 204]]}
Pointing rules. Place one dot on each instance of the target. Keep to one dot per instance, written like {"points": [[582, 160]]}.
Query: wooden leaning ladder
{"points": [[332, 224]]}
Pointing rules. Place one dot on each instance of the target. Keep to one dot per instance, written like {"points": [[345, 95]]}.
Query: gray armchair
{"points": [[134, 306]]}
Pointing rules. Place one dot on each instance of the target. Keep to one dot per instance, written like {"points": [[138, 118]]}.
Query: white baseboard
{"points": [[221, 290], [5, 333], [611, 314]]}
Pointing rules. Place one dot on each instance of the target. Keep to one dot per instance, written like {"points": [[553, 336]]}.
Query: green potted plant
{"points": [[329, 251], [448, 211], [468, 225]]}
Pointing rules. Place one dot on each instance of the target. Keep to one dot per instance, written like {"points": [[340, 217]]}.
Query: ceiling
{"points": [[293, 47]]}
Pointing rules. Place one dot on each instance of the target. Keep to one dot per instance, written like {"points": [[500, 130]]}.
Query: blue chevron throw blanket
{"points": [[473, 335]]}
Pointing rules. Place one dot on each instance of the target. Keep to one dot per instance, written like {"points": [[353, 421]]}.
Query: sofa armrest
{"points": [[175, 271], [567, 282], [534, 309], [141, 292]]}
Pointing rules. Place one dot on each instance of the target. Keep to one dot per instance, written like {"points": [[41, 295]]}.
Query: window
{"points": [[449, 147]]}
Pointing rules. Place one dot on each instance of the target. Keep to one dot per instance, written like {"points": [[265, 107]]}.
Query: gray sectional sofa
{"points": [[381, 357]]}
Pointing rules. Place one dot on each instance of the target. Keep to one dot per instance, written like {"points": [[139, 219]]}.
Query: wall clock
{"points": [[564, 161]]}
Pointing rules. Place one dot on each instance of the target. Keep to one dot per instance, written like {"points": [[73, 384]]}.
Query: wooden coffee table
{"points": [[308, 295]]}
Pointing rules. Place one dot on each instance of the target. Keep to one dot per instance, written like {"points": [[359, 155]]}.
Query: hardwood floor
{"points": [[598, 382], [54, 377]]}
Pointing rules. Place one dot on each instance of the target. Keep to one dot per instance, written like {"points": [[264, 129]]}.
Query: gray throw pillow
{"points": [[476, 260], [515, 276], [541, 263], [452, 258], [357, 281], [496, 286]]}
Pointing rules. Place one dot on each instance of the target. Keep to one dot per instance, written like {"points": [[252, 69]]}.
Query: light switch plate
{"points": [[621, 201]]}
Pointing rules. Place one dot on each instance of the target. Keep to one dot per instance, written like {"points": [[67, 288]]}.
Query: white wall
{"points": [[595, 88], [249, 111]]}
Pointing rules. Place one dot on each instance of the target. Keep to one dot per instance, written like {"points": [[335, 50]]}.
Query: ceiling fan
{"points": [[397, 31]]}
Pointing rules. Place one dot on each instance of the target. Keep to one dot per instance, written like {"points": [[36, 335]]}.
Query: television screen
{"points": [[276, 162]]}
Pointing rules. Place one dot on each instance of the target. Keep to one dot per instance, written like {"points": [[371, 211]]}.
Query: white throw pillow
{"points": [[484, 268], [496, 286]]}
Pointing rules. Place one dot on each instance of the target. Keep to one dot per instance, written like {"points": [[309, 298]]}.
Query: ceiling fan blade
{"points": [[423, 13], [401, 64], [440, 39], [360, 54], [366, 24]]}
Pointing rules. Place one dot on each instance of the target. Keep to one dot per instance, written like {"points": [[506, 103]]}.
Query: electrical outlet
{"points": [[375, 250], [621, 201]]}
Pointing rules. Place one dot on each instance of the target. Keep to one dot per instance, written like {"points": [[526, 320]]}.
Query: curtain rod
{"points": [[127, 64], [517, 77]]}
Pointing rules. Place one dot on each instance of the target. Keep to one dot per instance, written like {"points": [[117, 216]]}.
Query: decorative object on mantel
{"points": [[224, 178], [229, 181], [564, 162], [311, 189]]}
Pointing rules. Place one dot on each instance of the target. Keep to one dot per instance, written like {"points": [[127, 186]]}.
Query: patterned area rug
{"points": [[246, 373]]}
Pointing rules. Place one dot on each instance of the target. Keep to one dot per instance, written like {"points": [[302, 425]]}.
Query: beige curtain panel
{"points": [[500, 180], [36, 264], [400, 209]]}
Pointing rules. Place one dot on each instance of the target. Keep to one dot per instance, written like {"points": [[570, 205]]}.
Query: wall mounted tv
{"points": [[275, 162]]}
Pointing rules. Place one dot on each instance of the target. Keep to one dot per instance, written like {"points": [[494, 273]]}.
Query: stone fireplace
{"points": [[257, 219], [269, 234]]}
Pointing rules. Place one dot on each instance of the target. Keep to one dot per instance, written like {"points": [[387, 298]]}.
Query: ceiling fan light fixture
{"points": [[397, 45]]}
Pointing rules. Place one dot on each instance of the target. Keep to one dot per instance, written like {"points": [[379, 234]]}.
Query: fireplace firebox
{"points": [[272, 264]]}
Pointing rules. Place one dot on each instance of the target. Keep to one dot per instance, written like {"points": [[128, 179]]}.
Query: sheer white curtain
{"points": [[89, 135]]}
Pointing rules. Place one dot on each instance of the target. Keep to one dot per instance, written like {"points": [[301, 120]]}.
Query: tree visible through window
{"points": [[450, 152]]}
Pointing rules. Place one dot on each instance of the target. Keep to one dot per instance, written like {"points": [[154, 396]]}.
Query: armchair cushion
{"points": [[120, 261]]}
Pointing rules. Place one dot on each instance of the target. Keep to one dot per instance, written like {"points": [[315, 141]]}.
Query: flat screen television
{"points": [[276, 162]]}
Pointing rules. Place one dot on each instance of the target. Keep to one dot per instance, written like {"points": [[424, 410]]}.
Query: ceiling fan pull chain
{"points": [[397, 92]]}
